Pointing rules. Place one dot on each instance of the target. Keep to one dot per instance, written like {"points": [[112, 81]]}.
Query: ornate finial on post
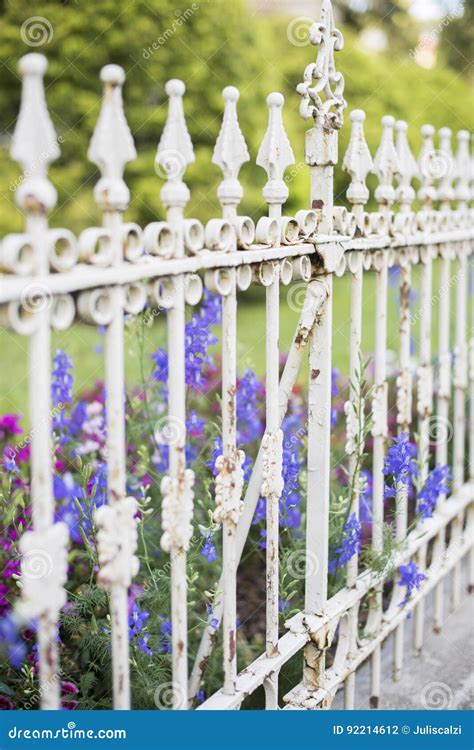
{"points": [[358, 163], [112, 146], [230, 151], [445, 168], [324, 100], [405, 193], [275, 153], [427, 192], [463, 168], [175, 149], [386, 165], [34, 143]]}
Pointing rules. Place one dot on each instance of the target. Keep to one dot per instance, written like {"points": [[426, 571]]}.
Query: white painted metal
{"points": [[43, 288]]}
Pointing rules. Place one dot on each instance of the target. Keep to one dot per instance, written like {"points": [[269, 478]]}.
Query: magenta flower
{"points": [[9, 426]]}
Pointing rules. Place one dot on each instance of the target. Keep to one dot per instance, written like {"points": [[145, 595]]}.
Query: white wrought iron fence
{"points": [[51, 278]]}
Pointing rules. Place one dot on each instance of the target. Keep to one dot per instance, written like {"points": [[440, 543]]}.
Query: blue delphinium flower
{"points": [[160, 358], [198, 338], [62, 382], [436, 484], [400, 463], [349, 546], [166, 630], [208, 549], [68, 492], [11, 638], [137, 621], [365, 497], [97, 486], [411, 578], [249, 421]]}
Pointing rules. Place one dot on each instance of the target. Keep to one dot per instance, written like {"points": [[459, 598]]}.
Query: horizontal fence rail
{"points": [[52, 278]]}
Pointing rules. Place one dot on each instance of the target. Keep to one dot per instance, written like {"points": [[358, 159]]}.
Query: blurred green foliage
{"points": [[209, 45]]}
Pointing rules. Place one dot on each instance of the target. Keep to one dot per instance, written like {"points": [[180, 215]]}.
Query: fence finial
{"points": [[386, 164], [463, 168], [230, 151], [357, 160], [175, 149], [427, 192], [112, 145], [445, 168], [328, 108], [275, 153], [405, 193], [34, 143]]}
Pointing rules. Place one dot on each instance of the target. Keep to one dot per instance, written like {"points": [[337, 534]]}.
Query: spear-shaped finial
{"points": [[230, 151], [445, 167], [358, 161], [175, 149], [386, 164], [275, 153], [34, 143], [408, 167], [463, 168], [427, 192], [111, 145]]}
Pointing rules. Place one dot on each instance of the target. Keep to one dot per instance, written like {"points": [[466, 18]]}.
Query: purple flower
{"points": [[10, 465], [411, 578], [400, 463], [437, 484], [365, 497], [350, 544], [61, 386], [142, 644], [208, 549], [166, 630], [11, 638], [249, 422], [137, 620], [9, 426], [5, 703], [160, 358], [198, 338], [216, 452]]}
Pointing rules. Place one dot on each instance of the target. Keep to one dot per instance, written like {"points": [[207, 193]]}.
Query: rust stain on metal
{"points": [[231, 645]]}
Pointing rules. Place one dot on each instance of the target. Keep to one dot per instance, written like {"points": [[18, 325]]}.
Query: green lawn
{"points": [[83, 343]]}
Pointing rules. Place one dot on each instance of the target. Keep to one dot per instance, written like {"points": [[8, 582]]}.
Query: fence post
{"points": [[175, 152], [229, 154], [111, 148], [44, 549], [386, 166], [321, 155], [358, 163]]}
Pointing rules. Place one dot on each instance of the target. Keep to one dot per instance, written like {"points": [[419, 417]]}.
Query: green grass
{"points": [[80, 341]]}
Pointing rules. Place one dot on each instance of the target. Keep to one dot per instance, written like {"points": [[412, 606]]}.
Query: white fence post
{"points": [[44, 549], [111, 148]]}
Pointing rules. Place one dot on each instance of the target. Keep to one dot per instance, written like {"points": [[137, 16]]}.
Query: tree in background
{"points": [[208, 49]]}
